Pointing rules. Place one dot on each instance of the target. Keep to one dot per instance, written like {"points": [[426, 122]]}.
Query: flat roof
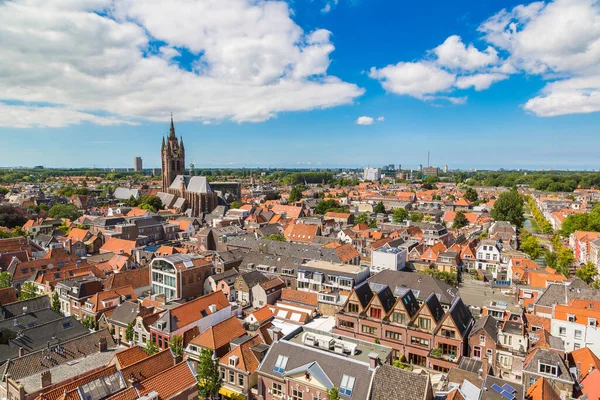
{"points": [[331, 266], [363, 348]]}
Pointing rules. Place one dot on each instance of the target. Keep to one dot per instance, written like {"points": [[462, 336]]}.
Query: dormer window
{"points": [[547, 369], [233, 360], [571, 317], [592, 322]]}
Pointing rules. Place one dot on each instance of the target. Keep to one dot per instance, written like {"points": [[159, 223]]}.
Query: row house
{"points": [[72, 294], [330, 280], [105, 301], [424, 335], [511, 350], [199, 314], [306, 364], [489, 258], [219, 339], [576, 323], [238, 368], [580, 242]]}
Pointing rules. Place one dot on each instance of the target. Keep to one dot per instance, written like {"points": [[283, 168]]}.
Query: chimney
{"points": [[102, 346], [578, 373], [21, 352], [133, 381], [277, 334], [46, 378], [373, 360]]}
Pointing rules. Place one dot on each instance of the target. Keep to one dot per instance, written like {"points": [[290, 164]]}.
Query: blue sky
{"points": [[490, 128]]}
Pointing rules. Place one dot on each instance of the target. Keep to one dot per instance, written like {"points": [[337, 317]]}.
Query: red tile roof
{"points": [[130, 356], [220, 334]]}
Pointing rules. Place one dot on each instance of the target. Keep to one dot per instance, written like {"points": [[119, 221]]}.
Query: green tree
{"points": [[235, 204], [28, 291], [64, 228], [379, 208], [471, 195], [587, 273], [509, 207], [372, 223], [416, 217], [551, 259], [56, 303], [5, 280], [333, 394], [329, 205], [151, 348], [177, 345], [276, 237], [460, 220], [531, 246], [68, 211], [129, 333], [361, 218], [209, 378], [89, 322], [399, 215], [295, 194], [564, 261]]}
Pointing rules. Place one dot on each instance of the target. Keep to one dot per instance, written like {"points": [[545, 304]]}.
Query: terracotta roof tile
{"points": [[220, 334], [169, 382], [247, 360], [130, 356]]}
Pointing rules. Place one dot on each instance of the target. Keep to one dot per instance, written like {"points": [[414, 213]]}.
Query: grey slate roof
{"points": [[122, 193], [461, 315], [562, 294], [254, 278], [489, 325], [194, 184], [435, 307], [287, 249], [421, 285], [25, 306], [74, 349], [35, 338], [125, 313], [549, 357], [364, 293], [393, 383], [334, 366]]}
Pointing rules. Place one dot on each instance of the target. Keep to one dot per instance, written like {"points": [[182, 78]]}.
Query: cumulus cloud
{"points": [[415, 79], [250, 59], [453, 54], [558, 40], [364, 120], [26, 116], [479, 81], [452, 65], [380, 119]]}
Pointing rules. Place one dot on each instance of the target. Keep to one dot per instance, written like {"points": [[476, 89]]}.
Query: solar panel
{"points": [[497, 388], [508, 396], [509, 388]]}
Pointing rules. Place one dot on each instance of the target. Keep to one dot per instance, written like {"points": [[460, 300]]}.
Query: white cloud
{"points": [[364, 120], [415, 79], [252, 60], [329, 5], [559, 40], [453, 54], [479, 81], [380, 119], [25, 116]]}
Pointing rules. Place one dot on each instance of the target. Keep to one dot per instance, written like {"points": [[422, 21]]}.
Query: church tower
{"points": [[172, 154]]}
